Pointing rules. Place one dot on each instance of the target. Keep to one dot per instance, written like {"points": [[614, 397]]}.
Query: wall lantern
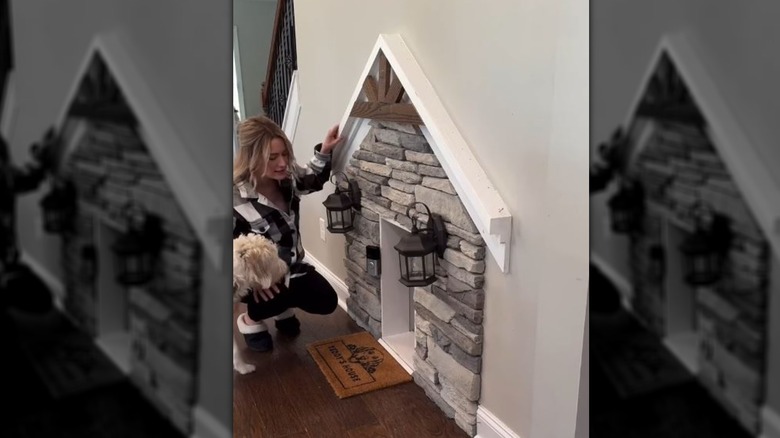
{"points": [[341, 205], [137, 249], [59, 207], [626, 207], [705, 248], [416, 250]]}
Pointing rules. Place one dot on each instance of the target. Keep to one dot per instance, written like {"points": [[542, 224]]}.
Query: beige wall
{"points": [[733, 41], [255, 22], [514, 77], [183, 48]]}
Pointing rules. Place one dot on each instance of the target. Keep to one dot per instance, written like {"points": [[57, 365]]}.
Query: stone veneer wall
{"points": [[394, 168], [679, 165], [110, 167]]}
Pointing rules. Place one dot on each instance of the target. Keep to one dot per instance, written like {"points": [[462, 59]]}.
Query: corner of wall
{"points": [[489, 426], [206, 425]]}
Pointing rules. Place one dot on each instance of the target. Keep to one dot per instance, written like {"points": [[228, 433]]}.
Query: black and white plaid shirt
{"points": [[254, 213]]}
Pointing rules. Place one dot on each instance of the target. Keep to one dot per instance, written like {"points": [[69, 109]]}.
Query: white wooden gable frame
{"points": [[482, 200]]}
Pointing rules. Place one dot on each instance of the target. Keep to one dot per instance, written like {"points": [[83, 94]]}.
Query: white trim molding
{"points": [[239, 74], [489, 426], [199, 201], [206, 426], [341, 288], [292, 110], [50, 280], [770, 423], [738, 151], [621, 283], [481, 198], [9, 106]]}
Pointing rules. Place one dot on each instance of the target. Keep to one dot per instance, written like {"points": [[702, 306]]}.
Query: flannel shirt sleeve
{"points": [[313, 176]]}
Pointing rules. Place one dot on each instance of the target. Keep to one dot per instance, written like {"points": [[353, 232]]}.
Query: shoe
{"points": [[261, 341], [288, 326], [256, 336]]}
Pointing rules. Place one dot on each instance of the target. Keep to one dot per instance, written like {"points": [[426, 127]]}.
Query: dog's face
{"points": [[256, 264]]}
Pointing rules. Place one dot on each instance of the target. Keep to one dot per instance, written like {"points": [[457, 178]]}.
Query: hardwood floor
{"points": [[117, 410], [287, 395], [683, 410]]}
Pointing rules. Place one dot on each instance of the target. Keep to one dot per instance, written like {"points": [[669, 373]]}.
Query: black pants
{"points": [[310, 292]]}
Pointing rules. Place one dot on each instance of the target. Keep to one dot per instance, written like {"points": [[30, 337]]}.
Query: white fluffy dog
{"points": [[256, 265]]}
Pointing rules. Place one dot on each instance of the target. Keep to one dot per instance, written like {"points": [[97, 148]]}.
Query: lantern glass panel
{"points": [[403, 263], [52, 220], [701, 263], [622, 220], [429, 265], [703, 268], [135, 268], [340, 220], [416, 268], [334, 218]]}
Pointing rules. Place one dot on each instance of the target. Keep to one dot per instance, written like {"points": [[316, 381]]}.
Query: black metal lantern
{"points": [[416, 250], [59, 207], [341, 206], [705, 248], [626, 207], [137, 249]]}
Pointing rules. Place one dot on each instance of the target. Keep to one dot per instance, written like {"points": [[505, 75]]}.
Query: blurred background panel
{"points": [[116, 125], [684, 229]]}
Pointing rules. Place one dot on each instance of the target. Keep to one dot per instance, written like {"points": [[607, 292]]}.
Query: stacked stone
{"points": [[110, 168], [731, 314], [395, 167]]}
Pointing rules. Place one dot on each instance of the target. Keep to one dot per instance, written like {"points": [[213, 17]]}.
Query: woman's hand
{"points": [[265, 294], [332, 139]]}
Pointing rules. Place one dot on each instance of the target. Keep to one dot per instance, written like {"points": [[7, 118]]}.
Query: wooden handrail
{"points": [[281, 5]]}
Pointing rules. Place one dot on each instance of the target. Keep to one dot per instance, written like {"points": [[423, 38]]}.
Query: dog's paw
{"points": [[243, 368]]}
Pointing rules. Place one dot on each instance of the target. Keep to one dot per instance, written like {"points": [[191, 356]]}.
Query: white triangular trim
{"points": [[203, 208], [10, 107], [292, 111], [738, 152], [480, 197]]}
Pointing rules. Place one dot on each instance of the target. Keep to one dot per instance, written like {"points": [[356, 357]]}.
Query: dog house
{"points": [[402, 148], [687, 149], [118, 148]]}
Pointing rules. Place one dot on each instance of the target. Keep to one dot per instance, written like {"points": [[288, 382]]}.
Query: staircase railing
{"points": [[282, 62]]}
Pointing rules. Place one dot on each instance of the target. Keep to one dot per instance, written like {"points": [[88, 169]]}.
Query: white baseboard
{"points": [[52, 282], [341, 288], [770, 423], [206, 426], [489, 426], [621, 283]]}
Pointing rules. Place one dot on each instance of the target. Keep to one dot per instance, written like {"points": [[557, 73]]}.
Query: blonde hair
{"points": [[254, 140]]}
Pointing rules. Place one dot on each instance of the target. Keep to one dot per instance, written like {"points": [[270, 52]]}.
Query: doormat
{"points": [[70, 364], [355, 364], [640, 365]]}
